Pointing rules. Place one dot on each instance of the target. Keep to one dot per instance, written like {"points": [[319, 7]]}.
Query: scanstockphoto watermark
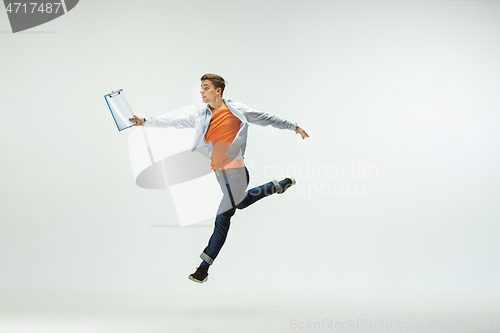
{"points": [[354, 324], [314, 179], [474, 325]]}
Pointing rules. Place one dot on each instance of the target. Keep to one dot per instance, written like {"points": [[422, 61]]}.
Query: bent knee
{"points": [[243, 203]]}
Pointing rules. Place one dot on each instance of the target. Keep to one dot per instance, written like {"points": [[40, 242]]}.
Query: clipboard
{"points": [[120, 109]]}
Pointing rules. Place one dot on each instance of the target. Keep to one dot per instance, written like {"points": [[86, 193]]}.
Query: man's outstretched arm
{"points": [[265, 118], [181, 121]]}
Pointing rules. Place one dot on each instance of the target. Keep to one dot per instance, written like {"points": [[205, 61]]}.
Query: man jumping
{"points": [[221, 127]]}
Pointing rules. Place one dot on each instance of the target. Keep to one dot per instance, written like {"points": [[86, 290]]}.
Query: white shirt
{"points": [[199, 121]]}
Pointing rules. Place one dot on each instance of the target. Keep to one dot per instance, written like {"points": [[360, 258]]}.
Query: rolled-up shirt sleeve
{"points": [[265, 118], [183, 121]]}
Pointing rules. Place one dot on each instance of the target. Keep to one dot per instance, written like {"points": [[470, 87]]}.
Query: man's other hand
{"points": [[300, 131], [138, 120]]}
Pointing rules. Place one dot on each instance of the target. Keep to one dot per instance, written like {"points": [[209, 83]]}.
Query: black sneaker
{"points": [[200, 276], [288, 183]]}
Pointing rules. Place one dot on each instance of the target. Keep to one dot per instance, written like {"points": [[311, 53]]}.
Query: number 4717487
{"points": [[42, 7]]}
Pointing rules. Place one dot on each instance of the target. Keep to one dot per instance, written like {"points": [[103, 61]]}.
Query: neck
{"points": [[217, 104]]}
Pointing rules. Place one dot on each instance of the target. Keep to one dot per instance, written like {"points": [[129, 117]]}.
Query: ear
{"points": [[219, 90]]}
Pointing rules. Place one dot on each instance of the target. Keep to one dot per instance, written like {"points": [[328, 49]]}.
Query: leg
{"points": [[255, 194], [218, 238], [233, 185]]}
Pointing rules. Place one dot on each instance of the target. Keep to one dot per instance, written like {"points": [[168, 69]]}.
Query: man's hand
{"points": [[138, 120], [300, 131]]}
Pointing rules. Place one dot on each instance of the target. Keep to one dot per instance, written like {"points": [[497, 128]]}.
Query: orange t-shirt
{"points": [[221, 131]]}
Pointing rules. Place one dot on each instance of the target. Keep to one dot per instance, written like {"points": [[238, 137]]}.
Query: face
{"points": [[208, 92]]}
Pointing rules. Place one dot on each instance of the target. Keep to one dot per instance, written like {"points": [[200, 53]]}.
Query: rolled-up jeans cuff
{"points": [[277, 186], [205, 257]]}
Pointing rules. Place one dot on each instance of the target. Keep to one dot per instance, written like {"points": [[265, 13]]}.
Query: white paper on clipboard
{"points": [[120, 109]]}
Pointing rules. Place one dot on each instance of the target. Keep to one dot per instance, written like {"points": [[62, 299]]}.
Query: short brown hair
{"points": [[216, 80]]}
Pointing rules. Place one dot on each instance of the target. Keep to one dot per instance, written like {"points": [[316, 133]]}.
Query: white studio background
{"points": [[401, 102]]}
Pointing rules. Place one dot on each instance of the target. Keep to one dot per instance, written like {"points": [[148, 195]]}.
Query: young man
{"points": [[221, 134]]}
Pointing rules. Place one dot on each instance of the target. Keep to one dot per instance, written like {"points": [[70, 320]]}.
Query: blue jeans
{"points": [[233, 183]]}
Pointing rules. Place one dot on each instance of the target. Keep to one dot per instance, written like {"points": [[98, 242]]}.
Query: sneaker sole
{"points": [[196, 280]]}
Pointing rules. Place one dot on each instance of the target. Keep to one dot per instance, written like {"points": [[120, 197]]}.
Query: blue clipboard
{"points": [[120, 109]]}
